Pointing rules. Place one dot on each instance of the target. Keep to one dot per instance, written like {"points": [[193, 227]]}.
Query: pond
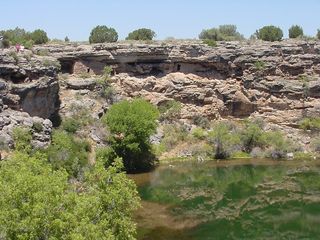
{"points": [[244, 199]]}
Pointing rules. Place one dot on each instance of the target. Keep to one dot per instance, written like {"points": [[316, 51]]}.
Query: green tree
{"points": [[131, 123], [224, 139], [251, 136], [39, 36], [269, 33], [141, 34], [68, 153], [226, 32], [101, 34], [295, 31], [37, 202], [66, 39]]}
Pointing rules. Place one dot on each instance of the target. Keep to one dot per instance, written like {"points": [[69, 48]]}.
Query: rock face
{"points": [[29, 82], [40, 128], [277, 81]]}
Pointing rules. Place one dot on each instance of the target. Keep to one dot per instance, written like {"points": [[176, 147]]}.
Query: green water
{"points": [[230, 200]]}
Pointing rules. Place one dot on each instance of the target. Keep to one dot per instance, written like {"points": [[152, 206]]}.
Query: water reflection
{"points": [[230, 200]]}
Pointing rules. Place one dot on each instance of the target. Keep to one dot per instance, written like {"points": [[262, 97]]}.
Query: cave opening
{"points": [[178, 67], [67, 66]]}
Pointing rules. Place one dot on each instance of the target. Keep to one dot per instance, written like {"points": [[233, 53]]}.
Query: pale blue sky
{"points": [[168, 18]]}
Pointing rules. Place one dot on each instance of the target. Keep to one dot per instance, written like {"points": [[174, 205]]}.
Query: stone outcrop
{"points": [[29, 82], [277, 81]]}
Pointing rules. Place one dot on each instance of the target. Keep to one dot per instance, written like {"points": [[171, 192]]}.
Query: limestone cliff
{"points": [[277, 81]]}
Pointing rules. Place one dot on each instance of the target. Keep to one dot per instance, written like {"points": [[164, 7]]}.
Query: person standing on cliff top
{"points": [[18, 46]]}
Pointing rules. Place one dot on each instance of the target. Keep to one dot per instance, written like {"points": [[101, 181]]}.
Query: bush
{"points": [[173, 134], [259, 65], [66, 152], [225, 140], [210, 42], [22, 139], [131, 124], [37, 126], [39, 36], [318, 34], [310, 124], [170, 110], [269, 33], [199, 133], [102, 34], [38, 202], [66, 39], [223, 33], [201, 121], [278, 146], [142, 34], [252, 136], [295, 31], [71, 125]]}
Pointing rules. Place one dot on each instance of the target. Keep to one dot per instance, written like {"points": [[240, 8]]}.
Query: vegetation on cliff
{"points": [[141, 34], [131, 124]]}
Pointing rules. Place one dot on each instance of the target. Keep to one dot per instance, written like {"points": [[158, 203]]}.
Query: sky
{"points": [[182, 19]]}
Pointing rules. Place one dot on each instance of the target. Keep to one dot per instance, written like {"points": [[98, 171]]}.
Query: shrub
{"points": [[173, 134], [39, 36], [131, 124], [315, 144], [251, 136], [66, 39], [37, 126], [318, 34], [15, 56], [210, 42], [278, 146], [295, 31], [170, 110], [69, 153], [22, 139], [224, 139], [259, 65], [141, 34], [201, 121], [105, 155], [101, 34], [269, 33], [38, 202], [223, 33], [199, 133], [71, 125], [310, 124]]}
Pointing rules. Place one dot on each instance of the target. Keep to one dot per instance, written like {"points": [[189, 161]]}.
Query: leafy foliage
{"points": [[224, 139], [295, 31], [68, 153], [210, 42], [101, 34], [131, 123], [141, 34], [223, 33], [22, 139], [37, 202], [269, 33], [310, 124], [170, 110], [39, 36], [21, 36]]}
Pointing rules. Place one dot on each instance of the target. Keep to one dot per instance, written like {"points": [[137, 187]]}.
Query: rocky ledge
{"points": [[278, 81]]}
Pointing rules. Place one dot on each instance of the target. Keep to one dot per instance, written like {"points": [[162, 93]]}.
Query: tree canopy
{"points": [[37, 202], [222, 33], [131, 123], [102, 34], [141, 34], [269, 33]]}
